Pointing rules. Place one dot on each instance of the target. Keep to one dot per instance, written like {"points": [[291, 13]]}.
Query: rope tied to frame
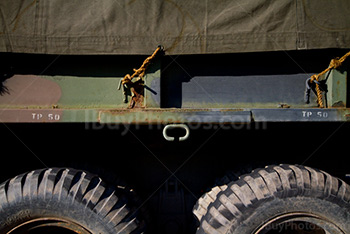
{"points": [[127, 80], [334, 64]]}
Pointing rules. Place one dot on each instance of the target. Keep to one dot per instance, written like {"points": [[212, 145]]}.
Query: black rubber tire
{"points": [[201, 206], [277, 191], [66, 194]]}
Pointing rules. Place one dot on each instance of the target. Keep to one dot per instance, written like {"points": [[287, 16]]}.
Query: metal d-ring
{"points": [[173, 126]]}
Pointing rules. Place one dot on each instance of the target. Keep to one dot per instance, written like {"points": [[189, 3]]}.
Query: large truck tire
{"points": [[61, 200], [280, 199], [201, 206]]}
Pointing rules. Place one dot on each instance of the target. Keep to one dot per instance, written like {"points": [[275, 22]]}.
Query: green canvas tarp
{"points": [[181, 26]]}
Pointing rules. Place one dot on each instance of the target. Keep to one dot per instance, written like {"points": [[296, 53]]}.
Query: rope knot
{"points": [[313, 78], [141, 71], [335, 63]]}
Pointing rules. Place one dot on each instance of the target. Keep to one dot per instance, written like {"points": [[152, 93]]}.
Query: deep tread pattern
{"points": [[59, 189], [281, 181], [14, 193], [205, 200], [200, 208], [74, 186]]}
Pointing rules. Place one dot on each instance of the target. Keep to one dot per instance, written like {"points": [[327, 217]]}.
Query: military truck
{"points": [[174, 116]]}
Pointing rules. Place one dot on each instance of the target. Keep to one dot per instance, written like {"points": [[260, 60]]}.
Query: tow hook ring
{"points": [[173, 126]]}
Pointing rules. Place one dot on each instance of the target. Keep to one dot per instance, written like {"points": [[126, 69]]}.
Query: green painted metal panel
{"points": [[337, 87], [152, 87], [62, 92], [81, 92]]}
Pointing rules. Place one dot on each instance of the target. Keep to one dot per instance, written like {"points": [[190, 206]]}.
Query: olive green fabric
{"points": [[181, 26]]}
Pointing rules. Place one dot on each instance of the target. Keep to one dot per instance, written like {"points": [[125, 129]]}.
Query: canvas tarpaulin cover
{"points": [[181, 26]]}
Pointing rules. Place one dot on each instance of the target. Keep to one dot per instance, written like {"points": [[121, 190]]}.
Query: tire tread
{"points": [[77, 186], [273, 181]]}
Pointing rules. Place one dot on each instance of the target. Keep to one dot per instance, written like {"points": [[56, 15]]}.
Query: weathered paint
{"points": [[172, 115], [34, 91], [259, 91], [152, 87], [204, 99], [337, 87], [30, 90], [165, 116], [85, 92], [300, 115], [48, 115]]}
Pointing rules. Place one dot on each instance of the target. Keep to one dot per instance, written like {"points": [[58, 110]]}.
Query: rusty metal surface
{"points": [[223, 116], [165, 116], [138, 94]]}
